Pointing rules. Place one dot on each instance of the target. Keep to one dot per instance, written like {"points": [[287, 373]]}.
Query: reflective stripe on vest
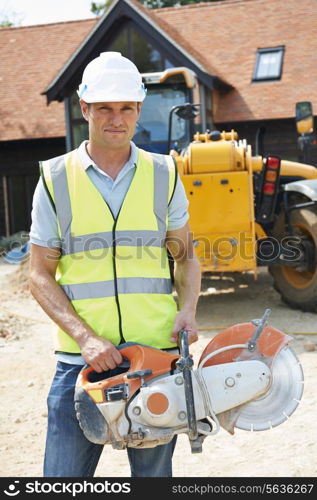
{"points": [[118, 273], [125, 285]]}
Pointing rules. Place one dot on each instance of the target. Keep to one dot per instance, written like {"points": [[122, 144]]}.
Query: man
{"points": [[103, 217]]}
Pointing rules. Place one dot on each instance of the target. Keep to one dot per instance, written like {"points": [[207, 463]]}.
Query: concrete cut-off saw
{"points": [[247, 378]]}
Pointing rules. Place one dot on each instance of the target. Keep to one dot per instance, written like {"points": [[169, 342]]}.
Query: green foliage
{"points": [[160, 4], [5, 24], [9, 18], [98, 7]]}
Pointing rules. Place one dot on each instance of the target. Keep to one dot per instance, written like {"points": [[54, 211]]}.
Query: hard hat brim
{"points": [[112, 98]]}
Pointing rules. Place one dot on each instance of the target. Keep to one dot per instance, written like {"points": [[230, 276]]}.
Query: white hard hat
{"points": [[111, 78]]}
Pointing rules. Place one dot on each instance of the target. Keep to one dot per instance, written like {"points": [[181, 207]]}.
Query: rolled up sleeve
{"points": [[44, 229], [178, 208]]}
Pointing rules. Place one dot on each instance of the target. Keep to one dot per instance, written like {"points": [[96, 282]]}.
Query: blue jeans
{"points": [[69, 454]]}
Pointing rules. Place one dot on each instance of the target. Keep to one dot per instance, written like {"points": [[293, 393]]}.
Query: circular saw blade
{"points": [[281, 399]]}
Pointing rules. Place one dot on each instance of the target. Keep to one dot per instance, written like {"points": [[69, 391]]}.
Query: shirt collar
{"points": [[88, 162]]}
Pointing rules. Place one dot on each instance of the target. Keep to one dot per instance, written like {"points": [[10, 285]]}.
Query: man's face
{"points": [[111, 124]]}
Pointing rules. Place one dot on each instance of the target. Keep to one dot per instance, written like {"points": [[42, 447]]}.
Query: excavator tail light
{"points": [[269, 188], [273, 162], [265, 206]]}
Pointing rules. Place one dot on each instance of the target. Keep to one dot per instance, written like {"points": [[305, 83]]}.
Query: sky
{"points": [[27, 12]]}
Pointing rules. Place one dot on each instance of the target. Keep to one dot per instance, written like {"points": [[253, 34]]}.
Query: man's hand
{"points": [[99, 353], [185, 320]]}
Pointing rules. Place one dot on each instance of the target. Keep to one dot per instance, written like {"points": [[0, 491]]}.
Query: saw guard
{"points": [[269, 344]]}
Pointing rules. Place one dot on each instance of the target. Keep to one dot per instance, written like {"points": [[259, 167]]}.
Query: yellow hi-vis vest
{"points": [[115, 270]]}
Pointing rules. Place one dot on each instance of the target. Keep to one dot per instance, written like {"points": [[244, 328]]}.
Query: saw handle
{"points": [[260, 324], [185, 364]]}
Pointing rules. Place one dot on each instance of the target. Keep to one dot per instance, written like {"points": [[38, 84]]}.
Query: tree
{"points": [[5, 23], [8, 19], [98, 7]]}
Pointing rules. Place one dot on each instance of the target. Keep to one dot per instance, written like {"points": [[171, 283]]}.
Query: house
{"points": [[254, 60]]}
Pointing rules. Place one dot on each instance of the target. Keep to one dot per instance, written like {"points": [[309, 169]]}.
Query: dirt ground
{"points": [[27, 362]]}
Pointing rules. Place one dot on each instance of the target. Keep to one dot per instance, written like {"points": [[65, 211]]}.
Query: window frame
{"points": [[280, 49]]}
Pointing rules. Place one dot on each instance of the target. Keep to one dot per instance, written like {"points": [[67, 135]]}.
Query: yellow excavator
{"points": [[245, 211]]}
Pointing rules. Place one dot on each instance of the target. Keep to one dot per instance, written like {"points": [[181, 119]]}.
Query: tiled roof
{"points": [[222, 36], [229, 33], [30, 57]]}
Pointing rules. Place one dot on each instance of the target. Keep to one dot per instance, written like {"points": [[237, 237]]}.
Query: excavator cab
{"points": [[166, 90]]}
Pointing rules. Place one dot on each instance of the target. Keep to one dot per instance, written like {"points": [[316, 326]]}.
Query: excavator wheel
{"points": [[298, 288]]}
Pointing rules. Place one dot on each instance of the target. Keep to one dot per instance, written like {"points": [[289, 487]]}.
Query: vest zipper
{"points": [[114, 248], [122, 339], [115, 219]]}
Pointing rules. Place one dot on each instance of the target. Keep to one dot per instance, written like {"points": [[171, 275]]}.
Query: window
{"points": [[134, 46], [78, 123], [268, 65]]}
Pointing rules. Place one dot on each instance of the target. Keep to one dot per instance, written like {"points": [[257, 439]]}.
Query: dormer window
{"points": [[268, 65]]}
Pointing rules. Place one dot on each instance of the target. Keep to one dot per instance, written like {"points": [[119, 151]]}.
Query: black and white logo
{"points": [[13, 491]]}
